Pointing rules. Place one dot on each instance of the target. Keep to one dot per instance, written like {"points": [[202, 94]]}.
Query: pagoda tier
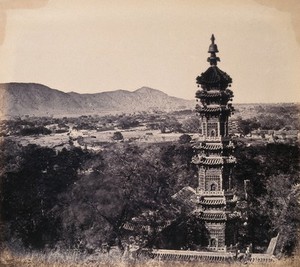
{"points": [[217, 201], [218, 215], [216, 94], [219, 149], [214, 77], [214, 97], [213, 161], [213, 216], [216, 111]]}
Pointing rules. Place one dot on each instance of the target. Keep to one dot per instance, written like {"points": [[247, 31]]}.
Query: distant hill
{"points": [[17, 99]]}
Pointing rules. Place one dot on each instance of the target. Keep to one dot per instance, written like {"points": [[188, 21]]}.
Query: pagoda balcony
{"points": [[214, 201], [214, 92], [210, 193], [203, 160], [211, 146], [208, 94], [204, 193], [213, 216], [213, 160], [213, 108], [202, 138]]}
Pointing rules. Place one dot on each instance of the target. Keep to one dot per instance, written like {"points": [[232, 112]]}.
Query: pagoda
{"points": [[214, 158]]}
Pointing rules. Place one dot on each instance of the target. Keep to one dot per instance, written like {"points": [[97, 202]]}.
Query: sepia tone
{"points": [[109, 158]]}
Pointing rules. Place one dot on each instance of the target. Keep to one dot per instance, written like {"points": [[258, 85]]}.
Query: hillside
{"points": [[17, 99]]}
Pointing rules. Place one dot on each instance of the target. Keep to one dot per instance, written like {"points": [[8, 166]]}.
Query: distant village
{"points": [[284, 135], [93, 132]]}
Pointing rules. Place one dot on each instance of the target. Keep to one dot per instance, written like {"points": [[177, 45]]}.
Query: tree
{"points": [[188, 231], [126, 182], [281, 205], [170, 124], [185, 139], [31, 191], [272, 171], [248, 125], [272, 122], [117, 136], [191, 125], [35, 130], [128, 122]]}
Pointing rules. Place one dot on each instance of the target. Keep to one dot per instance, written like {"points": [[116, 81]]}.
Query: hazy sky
{"points": [[96, 45]]}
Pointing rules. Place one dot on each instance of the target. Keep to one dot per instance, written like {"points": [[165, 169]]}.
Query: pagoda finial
{"points": [[213, 49]]}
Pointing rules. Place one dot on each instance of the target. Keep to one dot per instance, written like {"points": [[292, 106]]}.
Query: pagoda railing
{"points": [[215, 193], [226, 256], [183, 255], [209, 138], [261, 258], [202, 138], [211, 193]]}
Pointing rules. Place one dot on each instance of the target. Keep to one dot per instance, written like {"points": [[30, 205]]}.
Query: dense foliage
{"points": [[32, 179], [272, 192], [271, 117], [83, 199]]}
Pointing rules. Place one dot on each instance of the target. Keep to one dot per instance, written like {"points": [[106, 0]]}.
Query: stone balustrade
{"points": [[211, 193], [185, 255], [208, 138], [205, 256]]}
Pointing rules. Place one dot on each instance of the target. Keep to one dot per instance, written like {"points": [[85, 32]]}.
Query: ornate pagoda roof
{"points": [[208, 160], [212, 146], [213, 75], [212, 201], [214, 216], [211, 93], [208, 109], [213, 160]]}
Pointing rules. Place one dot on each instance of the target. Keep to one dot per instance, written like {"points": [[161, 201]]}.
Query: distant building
{"points": [[234, 129], [271, 136], [286, 135]]}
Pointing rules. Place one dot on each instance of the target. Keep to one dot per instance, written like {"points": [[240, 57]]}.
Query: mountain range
{"points": [[19, 99]]}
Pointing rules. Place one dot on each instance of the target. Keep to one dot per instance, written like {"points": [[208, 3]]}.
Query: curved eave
{"points": [[215, 94], [213, 161], [213, 111], [213, 216], [209, 146], [213, 75], [207, 202]]}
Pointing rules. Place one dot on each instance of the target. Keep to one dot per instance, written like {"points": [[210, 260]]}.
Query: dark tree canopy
{"points": [[82, 199], [273, 172], [30, 190], [117, 136]]}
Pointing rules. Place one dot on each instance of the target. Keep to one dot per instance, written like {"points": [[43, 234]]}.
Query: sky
{"points": [[90, 46]]}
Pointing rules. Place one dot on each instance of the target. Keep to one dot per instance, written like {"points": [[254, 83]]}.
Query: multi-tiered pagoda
{"points": [[214, 159]]}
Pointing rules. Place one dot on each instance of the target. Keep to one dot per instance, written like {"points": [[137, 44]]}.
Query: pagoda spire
{"points": [[213, 49]]}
